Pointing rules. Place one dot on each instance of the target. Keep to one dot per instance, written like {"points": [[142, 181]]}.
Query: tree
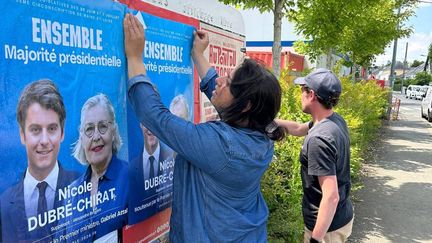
{"points": [[416, 63], [359, 28], [423, 78], [279, 9]]}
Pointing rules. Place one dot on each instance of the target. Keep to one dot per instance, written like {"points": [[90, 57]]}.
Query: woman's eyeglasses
{"points": [[90, 128]]}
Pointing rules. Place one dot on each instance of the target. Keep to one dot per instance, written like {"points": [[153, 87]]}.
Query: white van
{"points": [[412, 90]]}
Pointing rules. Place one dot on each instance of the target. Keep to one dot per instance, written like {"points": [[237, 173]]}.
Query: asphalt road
{"points": [[395, 204]]}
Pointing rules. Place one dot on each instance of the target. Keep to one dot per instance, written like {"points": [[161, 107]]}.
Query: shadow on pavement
{"points": [[409, 125], [399, 212], [399, 153], [403, 219], [407, 159]]}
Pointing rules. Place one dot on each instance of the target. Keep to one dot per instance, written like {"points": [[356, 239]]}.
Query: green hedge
{"points": [[363, 105]]}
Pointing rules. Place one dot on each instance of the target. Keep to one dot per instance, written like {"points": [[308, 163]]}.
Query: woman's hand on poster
{"points": [[134, 38], [201, 41]]}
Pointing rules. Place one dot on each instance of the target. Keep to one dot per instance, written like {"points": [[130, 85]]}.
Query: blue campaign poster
{"points": [[78, 44], [169, 66], [68, 170]]}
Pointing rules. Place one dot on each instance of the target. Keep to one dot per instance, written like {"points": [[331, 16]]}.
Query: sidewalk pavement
{"points": [[395, 204]]}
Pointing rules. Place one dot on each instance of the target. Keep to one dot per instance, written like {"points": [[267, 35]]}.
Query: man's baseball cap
{"points": [[323, 82]]}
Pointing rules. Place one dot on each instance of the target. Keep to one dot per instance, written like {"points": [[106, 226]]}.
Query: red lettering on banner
{"points": [[214, 52], [223, 71], [231, 59], [222, 56]]}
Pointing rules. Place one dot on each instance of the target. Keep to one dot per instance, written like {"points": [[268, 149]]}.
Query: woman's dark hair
{"points": [[257, 99]]}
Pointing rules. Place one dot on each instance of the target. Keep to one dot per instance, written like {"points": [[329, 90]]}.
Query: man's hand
{"points": [[201, 41], [134, 37]]}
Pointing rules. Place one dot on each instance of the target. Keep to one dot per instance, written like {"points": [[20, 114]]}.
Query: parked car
{"points": [[426, 106], [421, 93]]}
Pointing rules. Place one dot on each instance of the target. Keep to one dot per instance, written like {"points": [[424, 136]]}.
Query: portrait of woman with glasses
{"points": [[100, 200]]}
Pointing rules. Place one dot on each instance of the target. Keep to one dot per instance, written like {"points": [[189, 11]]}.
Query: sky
{"points": [[259, 27], [418, 41]]}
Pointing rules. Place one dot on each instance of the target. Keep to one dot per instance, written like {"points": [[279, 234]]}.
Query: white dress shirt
{"points": [[31, 192]]}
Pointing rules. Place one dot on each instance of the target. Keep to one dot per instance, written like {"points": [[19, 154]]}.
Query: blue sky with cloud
{"points": [[419, 40]]}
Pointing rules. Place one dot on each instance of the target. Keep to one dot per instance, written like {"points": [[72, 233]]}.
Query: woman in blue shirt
{"points": [[219, 164]]}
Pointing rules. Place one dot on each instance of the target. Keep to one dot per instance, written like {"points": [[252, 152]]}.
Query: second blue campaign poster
{"points": [[68, 135], [169, 65]]}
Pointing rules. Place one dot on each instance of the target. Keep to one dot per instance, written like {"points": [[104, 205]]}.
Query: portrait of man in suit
{"points": [[145, 172], [151, 172], [24, 206]]}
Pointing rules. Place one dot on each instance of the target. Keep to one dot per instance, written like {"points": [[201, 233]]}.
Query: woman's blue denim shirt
{"points": [[217, 173]]}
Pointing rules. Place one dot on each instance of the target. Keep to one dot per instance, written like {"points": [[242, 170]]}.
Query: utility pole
{"points": [[404, 64], [392, 68], [428, 63]]}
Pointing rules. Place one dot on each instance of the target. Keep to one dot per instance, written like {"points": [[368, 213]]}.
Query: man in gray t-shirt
{"points": [[325, 160]]}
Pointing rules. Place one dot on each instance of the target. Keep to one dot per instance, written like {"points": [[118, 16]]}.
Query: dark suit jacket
{"points": [[138, 196], [13, 216]]}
